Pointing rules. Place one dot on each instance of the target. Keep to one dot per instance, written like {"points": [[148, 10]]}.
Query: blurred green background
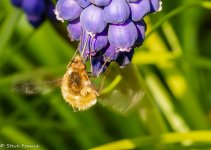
{"points": [[174, 64]]}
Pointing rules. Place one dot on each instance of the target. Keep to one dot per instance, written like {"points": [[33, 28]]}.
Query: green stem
{"points": [[187, 139], [111, 86]]}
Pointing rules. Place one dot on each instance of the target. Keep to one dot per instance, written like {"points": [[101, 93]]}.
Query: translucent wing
{"points": [[122, 90], [31, 87]]}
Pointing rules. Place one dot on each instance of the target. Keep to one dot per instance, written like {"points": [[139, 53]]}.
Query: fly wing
{"points": [[31, 87], [123, 90]]}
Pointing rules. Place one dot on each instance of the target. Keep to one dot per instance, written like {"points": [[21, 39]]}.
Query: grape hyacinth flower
{"points": [[92, 20], [108, 30], [67, 10], [36, 10], [83, 3], [116, 12], [141, 8], [123, 36], [124, 58], [100, 2], [98, 65], [74, 29], [141, 28], [17, 3], [99, 41], [33, 7]]}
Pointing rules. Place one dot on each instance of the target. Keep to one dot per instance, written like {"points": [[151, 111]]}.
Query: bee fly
{"points": [[78, 90], [76, 86]]}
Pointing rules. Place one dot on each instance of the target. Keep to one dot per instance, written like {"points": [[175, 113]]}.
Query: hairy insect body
{"points": [[75, 82], [76, 87]]}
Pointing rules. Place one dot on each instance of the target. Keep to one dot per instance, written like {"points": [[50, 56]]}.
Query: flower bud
{"points": [[110, 53], [123, 36], [143, 7], [124, 58], [36, 10], [35, 20], [91, 45], [156, 5], [33, 7], [98, 65], [99, 41], [17, 3], [116, 12], [83, 3], [139, 9], [74, 30], [100, 2], [67, 10], [141, 28], [50, 12], [92, 20]]}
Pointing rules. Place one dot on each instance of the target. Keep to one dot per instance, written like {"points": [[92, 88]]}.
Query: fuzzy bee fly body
{"points": [[76, 86]]}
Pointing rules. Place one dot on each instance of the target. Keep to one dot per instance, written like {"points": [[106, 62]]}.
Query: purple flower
{"points": [[100, 2], [141, 28], [91, 45], [132, 1], [139, 9], [83, 3], [67, 10], [116, 12], [50, 12], [74, 29], [110, 53], [108, 30], [99, 41], [123, 36], [34, 7], [124, 58], [17, 3], [36, 10], [35, 20], [92, 20], [156, 5], [143, 7], [98, 65]]}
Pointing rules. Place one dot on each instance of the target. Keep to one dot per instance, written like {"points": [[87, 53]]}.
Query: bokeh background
{"points": [[174, 64]]}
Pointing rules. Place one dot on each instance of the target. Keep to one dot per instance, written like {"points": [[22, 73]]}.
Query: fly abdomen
{"points": [[74, 82]]}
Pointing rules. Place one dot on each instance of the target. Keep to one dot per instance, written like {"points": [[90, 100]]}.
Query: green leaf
{"points": [[7, 29], [186, 139]]}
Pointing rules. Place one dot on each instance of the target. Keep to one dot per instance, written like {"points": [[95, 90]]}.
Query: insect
{"points": [[76, 86], [122, 90]]}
